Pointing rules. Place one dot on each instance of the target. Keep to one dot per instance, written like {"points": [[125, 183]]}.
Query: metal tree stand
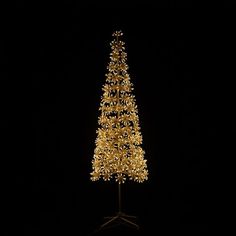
{"points": [[120, 217]]}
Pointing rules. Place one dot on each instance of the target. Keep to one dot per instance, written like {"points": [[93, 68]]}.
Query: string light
{"points": [[118, 153]]}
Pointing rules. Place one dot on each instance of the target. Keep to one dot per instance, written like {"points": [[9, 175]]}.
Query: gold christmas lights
{"points": [[118, 153]]}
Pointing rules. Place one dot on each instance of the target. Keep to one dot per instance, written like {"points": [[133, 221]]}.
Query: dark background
{"points": [[54, 62]]}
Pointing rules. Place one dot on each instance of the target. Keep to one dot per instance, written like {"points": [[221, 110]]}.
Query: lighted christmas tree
{"points": [[118, 153]]}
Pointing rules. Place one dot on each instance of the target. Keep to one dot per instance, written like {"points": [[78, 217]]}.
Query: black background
{"points": [[54, 62]]}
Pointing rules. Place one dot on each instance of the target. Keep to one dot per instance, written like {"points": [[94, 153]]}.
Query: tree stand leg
{"points": [[120, 217]]}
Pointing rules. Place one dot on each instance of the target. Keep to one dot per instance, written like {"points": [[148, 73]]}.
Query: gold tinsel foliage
{"points": [[118, 153]]}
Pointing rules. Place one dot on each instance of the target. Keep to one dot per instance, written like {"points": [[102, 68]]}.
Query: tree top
{"points": [[117, 33]]}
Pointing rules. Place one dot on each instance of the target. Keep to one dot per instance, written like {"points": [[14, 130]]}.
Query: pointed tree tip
{"points": [[117, 33]]}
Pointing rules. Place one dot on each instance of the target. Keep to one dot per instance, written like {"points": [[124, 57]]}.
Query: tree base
{"points": [[118, 219]]}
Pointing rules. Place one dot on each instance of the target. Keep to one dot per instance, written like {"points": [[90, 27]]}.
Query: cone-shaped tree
{"points": [[118, 153]]}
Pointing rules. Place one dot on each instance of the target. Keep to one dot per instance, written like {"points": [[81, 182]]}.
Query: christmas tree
{"points": [[118, 153]]}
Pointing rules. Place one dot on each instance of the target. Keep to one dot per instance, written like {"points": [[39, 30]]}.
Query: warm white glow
{"points": [[118, 151]]}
